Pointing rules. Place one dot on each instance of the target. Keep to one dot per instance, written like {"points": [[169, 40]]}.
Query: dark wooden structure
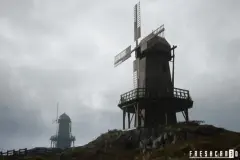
{"points": [[154, 99], [14, 153]]}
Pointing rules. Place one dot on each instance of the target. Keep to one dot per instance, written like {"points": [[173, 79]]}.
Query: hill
{"points": [[161, 143]]}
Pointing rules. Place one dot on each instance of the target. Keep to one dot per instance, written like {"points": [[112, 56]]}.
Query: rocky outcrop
{"points": [[149, 138], [163, 142]]}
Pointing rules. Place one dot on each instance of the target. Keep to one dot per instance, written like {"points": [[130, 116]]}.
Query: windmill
{"points": [[63, 137], [154, 100]]}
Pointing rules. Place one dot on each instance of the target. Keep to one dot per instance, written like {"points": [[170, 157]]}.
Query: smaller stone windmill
{"points": [[63, 138]]}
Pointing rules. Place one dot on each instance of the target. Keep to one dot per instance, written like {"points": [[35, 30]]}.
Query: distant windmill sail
{"points": [[137, 22]]}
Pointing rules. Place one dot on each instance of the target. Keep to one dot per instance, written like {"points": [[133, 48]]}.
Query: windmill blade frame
{"points": [[137, 22], [122, 56], [159, 30], [156, 32], [126, 53]]}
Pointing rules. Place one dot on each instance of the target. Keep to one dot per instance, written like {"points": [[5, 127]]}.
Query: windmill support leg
{"points": [[131, 118], [135, 117], [141, 113], [124, 115], [185, 115], [135, 120], [129, 121], [166, 118], [138, 117]]}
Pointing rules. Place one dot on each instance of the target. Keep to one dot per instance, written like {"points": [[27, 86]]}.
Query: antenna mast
{"points": [[57, 119], [57, 111], [173, 64]]}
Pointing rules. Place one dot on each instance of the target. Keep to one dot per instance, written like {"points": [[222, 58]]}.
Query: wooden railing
{"points": [[26, 152], [139, 93], [133, 94], [181, 93], [20, 152]]}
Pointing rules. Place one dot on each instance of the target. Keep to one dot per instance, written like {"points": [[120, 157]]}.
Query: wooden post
{"points": [[124, 115], [173, 66], [14, 152], [186, 114], [25, 151], [135, 117], [129, 120]]}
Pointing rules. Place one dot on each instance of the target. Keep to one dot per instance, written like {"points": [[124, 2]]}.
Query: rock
{"points": [[149, 143], [157, 142], [143, 143], [165, 136], [170, 137], [175, 138]]}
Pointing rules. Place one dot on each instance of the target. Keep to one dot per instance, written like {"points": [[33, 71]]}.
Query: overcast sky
{"points": [[62, 51]]}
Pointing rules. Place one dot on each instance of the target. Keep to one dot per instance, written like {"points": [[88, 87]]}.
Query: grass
{"points": [[205, 137]]}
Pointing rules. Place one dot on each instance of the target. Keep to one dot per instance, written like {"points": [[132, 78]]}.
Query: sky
{"points": [[63, 51]]}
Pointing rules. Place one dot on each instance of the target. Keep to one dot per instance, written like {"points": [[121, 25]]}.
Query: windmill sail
{"points": [[126, 53], [158, 32], [122, 56], [137, 22], [135, 75]]}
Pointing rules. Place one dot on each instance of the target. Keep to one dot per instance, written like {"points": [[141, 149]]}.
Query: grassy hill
{"points": [[146, 145]]}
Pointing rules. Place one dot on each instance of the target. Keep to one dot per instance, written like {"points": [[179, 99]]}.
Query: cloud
{"points": [[63, 51]]}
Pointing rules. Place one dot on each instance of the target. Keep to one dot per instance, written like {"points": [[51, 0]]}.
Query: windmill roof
{"points": [[152, 36], [65, 117]]}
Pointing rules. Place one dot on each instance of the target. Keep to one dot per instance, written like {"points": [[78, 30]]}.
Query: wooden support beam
{"points": [[166, 118], [131, 118], [186, 114], [183, 113], [124, 115], [129, 122]]}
